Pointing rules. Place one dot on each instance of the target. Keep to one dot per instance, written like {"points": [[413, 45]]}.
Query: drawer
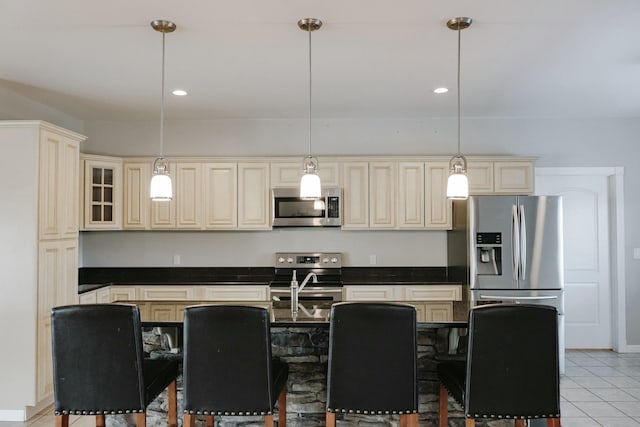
{"points": [[433, 293], [236, 293], [123, 293], [370, 293], [88, 298], [166, 293]]}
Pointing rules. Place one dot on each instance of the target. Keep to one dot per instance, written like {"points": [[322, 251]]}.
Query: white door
{"points": [[586, 253]]}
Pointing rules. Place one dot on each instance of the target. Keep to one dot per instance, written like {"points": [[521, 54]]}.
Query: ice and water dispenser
{"points": [[489, 254]]}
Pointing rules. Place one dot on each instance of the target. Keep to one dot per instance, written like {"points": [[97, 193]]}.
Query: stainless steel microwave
{"points": [[289, 210]]}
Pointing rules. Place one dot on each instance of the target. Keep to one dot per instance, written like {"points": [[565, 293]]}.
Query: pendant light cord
{"points": [[310, 96], [162, 101], [459, 30]]}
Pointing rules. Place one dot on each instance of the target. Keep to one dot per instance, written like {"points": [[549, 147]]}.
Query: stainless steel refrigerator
{"points": [[509, 250]]}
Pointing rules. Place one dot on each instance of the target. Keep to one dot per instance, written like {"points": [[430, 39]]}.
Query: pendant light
{"points": [[458, 183], [310, 181], [161, 188]]}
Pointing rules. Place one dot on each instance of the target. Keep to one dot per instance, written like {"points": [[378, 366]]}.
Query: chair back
{"points": [[227, 360], [372, 359], [512, 362], [97, 359]]}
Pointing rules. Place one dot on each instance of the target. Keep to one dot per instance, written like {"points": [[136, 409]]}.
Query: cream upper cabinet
{"points": [[59, 183], [254, 196], [411, 195], [437, 206], [163, 212], [382, 194], [137, 180], [188, 195], [355, 195], [501, 176], [288, 173], [220, 195], [102, 188], [513, 177], [480, 175]]}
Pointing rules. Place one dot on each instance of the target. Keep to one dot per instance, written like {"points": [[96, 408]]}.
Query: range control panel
{"points": [[308, 260]]}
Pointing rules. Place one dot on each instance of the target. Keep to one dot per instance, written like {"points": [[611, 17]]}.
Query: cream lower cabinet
{"points": [[160, 303], [433, 303], [57, 285]]}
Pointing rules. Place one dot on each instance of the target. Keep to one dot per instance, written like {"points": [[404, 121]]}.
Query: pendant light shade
{"points": [[161, 187], [458, 183], [310, 187]]}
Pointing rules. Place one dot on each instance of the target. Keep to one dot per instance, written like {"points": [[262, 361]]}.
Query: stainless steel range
{"points": [[306, 284], [327, 267]]}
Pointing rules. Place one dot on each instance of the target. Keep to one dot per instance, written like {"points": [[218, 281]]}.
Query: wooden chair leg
{"points": [[189, 420], [141, 420], [409, 420], [268, 421], [172, 391], [469, 422], [62, 420], [282, 408], [443, 407], [331, 419], [519, 423], [99, 420], [208, 421], [553, 422]]}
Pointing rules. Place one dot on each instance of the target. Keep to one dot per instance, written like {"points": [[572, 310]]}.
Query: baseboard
{"points": [[629, 349], [12, 415], [31, 411]]}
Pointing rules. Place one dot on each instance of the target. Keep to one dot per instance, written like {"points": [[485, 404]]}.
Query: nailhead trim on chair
{"points": [[99, 412], [373, 412], [513, 416], [192, 412]]}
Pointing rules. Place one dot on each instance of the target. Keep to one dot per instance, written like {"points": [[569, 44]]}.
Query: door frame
{"points": [[615, 178]]}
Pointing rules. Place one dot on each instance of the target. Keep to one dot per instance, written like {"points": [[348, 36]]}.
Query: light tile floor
{"points": [[599, 388]]}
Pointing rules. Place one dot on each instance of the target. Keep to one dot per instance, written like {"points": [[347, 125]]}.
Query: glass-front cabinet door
{"points": [[102, 197]]}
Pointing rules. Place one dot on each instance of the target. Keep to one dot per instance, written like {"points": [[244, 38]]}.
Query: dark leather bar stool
{"points": [[99, 366], [373, 361], [228, 368], [512, 369]]}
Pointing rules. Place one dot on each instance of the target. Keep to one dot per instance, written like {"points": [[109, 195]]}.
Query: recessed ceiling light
{"points": [[179, 92], [441, 90]]}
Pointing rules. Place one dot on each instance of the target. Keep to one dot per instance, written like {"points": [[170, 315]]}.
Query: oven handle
{"points": [[507, 298]]}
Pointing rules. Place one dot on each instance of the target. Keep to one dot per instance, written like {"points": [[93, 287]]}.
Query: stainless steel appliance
{"points": [[290, 210], [509, 250], [316, 297]]}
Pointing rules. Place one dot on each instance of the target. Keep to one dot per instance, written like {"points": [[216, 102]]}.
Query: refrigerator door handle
{"points": [[505, 298], [515, 242], [523, 243]]}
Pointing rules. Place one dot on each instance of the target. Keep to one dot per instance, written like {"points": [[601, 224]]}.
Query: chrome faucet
{"points": [[295, 290]]}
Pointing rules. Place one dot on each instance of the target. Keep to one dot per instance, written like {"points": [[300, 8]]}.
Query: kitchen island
{"points": [[301, 340], [305, 348]]}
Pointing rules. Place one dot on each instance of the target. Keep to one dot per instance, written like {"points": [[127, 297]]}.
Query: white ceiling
{"points": [[372, 58]]}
